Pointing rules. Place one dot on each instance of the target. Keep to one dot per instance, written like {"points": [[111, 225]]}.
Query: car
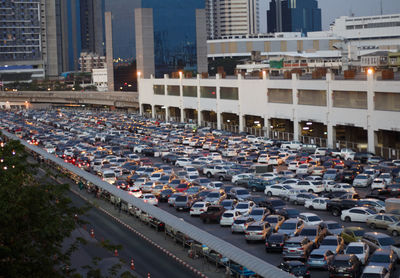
{"points": [[238, 179], [213, 213], [301, 198], [214, 197], [315, 233], [352, 234], [310, 218], [394, 229], [165, 194], [375, 272], [295, 268], [171, 199], [333, 243], [344, 265], [275, 242], [239, 224], [382, 220], [228, 204], [150, 199], [342, 187], [198, 208], [258, 214], [258, 230], [228, 217], [331, 174], [377, 240], [357, 214], [362, 180], [244, 207], [317, 203], [386, 258], [360, 249], [378, 183], [277, 190], [182, 162], [275, 221], [239, 193], [320, 258], [376, 204], [288, 212], [291, 227], [332, 227], [274, 204], [183, 202], [298, 247]]}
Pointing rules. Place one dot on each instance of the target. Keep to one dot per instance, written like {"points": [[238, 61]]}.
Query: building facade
{"points": [[232, 18], [362, 111], [294, 16], [89, 61], [92, 26]]}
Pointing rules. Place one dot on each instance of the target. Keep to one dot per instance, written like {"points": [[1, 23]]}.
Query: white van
{"points": [[109, 176]]}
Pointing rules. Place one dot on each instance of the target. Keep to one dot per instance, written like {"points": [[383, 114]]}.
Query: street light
{"points": [[138, 74], [370, 71]]}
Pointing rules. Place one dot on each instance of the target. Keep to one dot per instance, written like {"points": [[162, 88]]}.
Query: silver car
{"points": [[240, 224], [362, 180], [257, 231]]}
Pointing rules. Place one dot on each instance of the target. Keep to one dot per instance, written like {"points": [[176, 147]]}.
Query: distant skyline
{"points": [[332, 9]]}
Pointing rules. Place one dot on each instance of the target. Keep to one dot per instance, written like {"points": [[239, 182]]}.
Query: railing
{"points": [[322, 142], [230, 128], [280, 135], [388, 153]]}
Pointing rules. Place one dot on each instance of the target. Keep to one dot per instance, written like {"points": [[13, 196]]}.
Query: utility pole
{"points": [[381, 7]]}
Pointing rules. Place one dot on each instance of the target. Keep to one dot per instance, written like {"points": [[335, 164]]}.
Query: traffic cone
{"points": [[148, 275], [132, 265], [92, 233], [116, 253]]}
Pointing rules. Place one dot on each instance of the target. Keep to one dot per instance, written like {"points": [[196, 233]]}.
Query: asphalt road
{"points": [[147, 258]]}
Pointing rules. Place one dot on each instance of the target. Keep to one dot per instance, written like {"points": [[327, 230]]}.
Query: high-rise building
{"points": [[232, 18], [294, 16], [92, 26]]}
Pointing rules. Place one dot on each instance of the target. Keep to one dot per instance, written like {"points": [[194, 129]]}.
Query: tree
{"points": [[35, 218]]}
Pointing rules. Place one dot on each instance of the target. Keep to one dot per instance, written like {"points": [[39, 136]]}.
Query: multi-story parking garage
{"points": [[363, 113]]}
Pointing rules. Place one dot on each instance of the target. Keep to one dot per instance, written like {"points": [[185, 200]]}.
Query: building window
{"points": [[229, 93], [208, 92], [173, 90], [159, 89], [189, 91], [350, 99]]}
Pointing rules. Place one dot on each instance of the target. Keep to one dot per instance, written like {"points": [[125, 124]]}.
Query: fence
{"points": [[388, 153]]}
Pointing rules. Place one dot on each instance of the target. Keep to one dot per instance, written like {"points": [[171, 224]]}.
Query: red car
{"points": [[304, 159], [146, 161], [182, 187]]}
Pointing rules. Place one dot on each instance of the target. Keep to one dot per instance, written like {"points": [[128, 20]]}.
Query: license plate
{"points": [[273, 245]]}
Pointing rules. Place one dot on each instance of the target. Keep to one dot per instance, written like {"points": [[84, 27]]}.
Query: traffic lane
{"points": [[147, 258]]}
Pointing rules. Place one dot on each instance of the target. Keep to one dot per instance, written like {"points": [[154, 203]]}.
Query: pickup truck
{"points": [[213, 213], [335, 206], [211, 170], [346, 154]]}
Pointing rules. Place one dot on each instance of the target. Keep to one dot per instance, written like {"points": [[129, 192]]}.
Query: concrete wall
{"points": [[144, 32], [109, 51]]}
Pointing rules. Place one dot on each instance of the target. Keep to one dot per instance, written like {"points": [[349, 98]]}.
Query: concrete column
{"points": [[331, 135], [296, 132], [241, 122], [153, 111], [201, 40], [371, 77], [109, 51], [267, 126], [166, 114], [140, 108], [330, 129], [182, 115], [199, 116], [219, 120], [144, 37]]}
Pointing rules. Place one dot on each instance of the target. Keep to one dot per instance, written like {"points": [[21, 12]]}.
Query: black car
{"points": [[274, 204], [259, 200], [288, 212], [296, 268], [344, 265], [363, 156], [169, 158], [165, 194], [275, 242], [348, 176]]}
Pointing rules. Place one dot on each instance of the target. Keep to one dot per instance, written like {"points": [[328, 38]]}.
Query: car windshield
{"points": [[288, 226], [254, 228], [198, 205], [359, 232], [371, 275], [378, 258], [329, 242], [239, 221], [242, 206], [228, 214], [242, 192], [386, 241], [213, 195], [272, 220], [110, 175], [333, 226], [354, 250], [308, 232], [257, 212], [181, 199], [299, 268], [361, 177], [314, 218], [341, 263]]}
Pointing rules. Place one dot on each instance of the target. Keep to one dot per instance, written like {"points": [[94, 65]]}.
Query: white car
{"points": [[343, 187], [360, 249], [228, 217], [362, 180], [317, 203], [293, 165], [357, 214], [328, 184], [198, 208], [263, 158], [156, 176], [244, 207], [387, 177], [182, 162], [310, 218], [109, 176], [235, 178], [268, 176], [215, 185], [191, 171], [135, 191], [277, 190], [150, 199], [376, 271], [304, 169], [378, 183], [275, 160], [310, 186], [293, 193]]}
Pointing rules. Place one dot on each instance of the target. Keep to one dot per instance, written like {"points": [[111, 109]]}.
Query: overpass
{"points": [[129, 100]]}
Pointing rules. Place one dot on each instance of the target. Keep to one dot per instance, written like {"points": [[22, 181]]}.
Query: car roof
{"points": [[319, 251], [295, 263], [296, 239], [376, 234], [382, 251], [343, 257], [374, 269]]}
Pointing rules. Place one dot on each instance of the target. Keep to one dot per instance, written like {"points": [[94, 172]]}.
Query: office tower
{"points": [[232, 18], [109, 51], [92, 26], [294, 16]]}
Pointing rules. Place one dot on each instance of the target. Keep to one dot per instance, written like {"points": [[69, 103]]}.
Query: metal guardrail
{"points": [[224, 248]]}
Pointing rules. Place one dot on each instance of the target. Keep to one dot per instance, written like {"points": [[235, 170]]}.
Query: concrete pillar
{"points": [[267, 126], [219, 120], [296, 132], [141, 109], [331, 135], [241, 123], [371, 77], [144, 37], [109, 51], [153, 111], [199, 117], [296, 129], [182, 115], [201, 40], [166, 114]]}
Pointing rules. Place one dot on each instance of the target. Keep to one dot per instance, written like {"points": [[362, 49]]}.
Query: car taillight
{"points": [[301, 248], [201, 209], [259, 233], [266, 244], [191, 209], [281, 244]]}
